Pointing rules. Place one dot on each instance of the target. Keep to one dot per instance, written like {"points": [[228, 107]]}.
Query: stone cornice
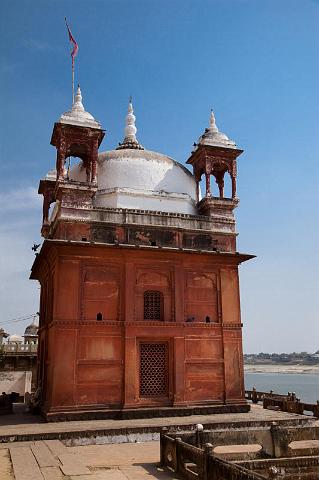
{"points": [[142, 323]]}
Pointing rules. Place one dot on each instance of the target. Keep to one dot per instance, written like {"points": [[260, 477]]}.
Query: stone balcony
{"points": [[20, 349]]}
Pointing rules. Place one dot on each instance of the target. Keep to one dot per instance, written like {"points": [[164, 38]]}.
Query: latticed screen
{"points": [[153, 370], [153, 302]]}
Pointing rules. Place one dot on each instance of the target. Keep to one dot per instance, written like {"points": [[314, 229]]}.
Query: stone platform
{"points": [[17, 429], [142, 413]]}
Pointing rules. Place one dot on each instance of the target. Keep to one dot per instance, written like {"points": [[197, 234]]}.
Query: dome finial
{"points": [[130, 140], [78, 105], [130, 128], [212, 120]]}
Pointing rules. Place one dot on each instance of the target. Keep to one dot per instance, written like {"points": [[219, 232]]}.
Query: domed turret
{"points": [[78, 115], [213, 137], [15, 338], [31, 332]]}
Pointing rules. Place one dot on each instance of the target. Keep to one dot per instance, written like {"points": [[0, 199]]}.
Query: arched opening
{"points": [[153, 305], [74, 169], [227, 185], [52, 208], [99, 316]]}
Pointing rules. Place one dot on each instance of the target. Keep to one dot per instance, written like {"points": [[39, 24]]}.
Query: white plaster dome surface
{"points": [[15, 338], [141, 179], [134, 178]]}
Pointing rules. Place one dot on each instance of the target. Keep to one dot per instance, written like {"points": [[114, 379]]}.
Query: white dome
{"points": [[15, 338], [141, 179]]}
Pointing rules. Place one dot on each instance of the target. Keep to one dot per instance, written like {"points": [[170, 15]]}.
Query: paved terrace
{"points": [[51, 460], [26, 427], [45, 457]]}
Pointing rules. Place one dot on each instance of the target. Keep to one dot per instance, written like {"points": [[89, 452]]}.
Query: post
{"points": [[208, 192], [178, 442], [72, 81], [221, 188], [219, 176], [95, 147], [199, 435], [274, 432], [254, 395], [208, 450], [197, 190], [233, 184], [163, 432], [61, 153]]}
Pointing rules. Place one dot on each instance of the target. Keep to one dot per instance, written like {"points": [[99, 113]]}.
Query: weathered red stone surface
{"points": [[90, 363]]}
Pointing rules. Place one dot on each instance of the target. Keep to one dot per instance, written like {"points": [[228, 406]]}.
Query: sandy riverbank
{"points": [[296, 369]]}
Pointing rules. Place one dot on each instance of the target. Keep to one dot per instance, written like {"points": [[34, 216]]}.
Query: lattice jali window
{"points": [[153, 305], [153, 370]]}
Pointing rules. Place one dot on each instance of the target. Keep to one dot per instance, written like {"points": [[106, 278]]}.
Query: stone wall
{"points": [[19, 382]]}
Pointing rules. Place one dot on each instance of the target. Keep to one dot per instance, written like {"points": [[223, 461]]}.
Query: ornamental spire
{"points": [[130, 140], [212, 136], [78, 105]]}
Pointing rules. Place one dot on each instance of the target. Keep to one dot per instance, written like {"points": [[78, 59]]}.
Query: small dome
{"points": [[213, 137], [78, 116], [31, 330], [51, 175], [15, 338]]}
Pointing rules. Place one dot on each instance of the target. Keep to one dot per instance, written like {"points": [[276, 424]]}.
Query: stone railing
{"points": [[287, 403], [219, 469], [20, 349], [194, 463], [194, 455]]}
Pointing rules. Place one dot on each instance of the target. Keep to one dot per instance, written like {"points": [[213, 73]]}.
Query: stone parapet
{"points": [[140, 227]]}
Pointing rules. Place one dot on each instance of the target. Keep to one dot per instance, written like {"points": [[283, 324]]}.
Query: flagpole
{"points": [[72, 81], [73, 55]]}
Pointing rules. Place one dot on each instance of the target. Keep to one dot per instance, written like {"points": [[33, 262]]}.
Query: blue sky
{"points": [[255, 62]]}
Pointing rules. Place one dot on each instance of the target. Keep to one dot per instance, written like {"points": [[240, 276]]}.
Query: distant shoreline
{"points": [[297, 369]]}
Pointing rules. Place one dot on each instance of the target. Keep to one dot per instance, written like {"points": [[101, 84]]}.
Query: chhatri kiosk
{"points": [[139, 308]]}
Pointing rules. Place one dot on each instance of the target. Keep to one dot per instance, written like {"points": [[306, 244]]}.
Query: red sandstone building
{"points": [[140, 307]]}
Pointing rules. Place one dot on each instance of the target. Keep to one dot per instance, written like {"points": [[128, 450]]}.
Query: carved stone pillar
{"points": [[88, 171], [61, 154], [208, 191], [197, 179], [233, 187], [95, 147], [46, 208], [233, 179], [220, 182]]}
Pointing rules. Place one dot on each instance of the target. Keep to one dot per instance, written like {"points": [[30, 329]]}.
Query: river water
{"points": [[306, 386]]}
